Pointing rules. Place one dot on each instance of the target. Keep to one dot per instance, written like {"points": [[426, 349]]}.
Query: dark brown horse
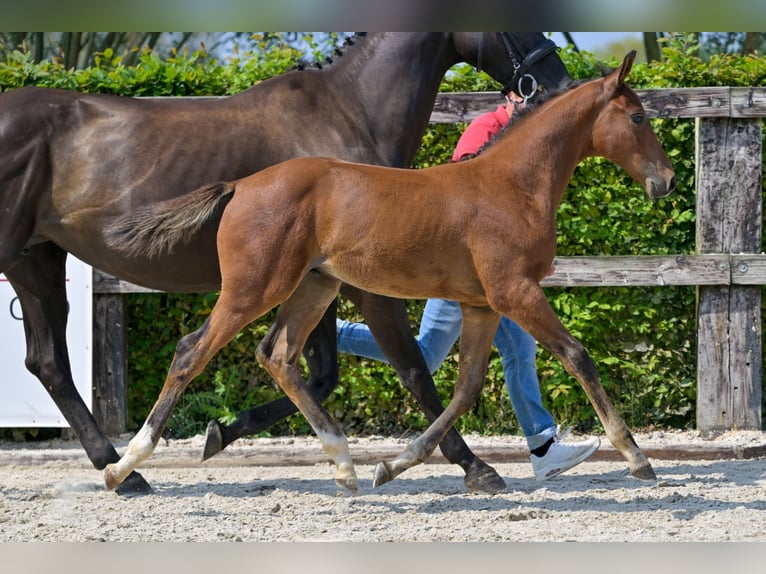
{"points": [[481, 231], [71, 163]]}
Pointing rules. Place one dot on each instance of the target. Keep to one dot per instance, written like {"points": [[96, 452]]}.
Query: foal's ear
{"points": [[624, 70]]}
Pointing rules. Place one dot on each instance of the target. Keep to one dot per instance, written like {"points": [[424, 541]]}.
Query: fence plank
{"points": [[729, 318], [748, 102], [612, 271], [646, 271], [704, 102], [700, 102], [748, 269], [687, 102], [105, 284]]}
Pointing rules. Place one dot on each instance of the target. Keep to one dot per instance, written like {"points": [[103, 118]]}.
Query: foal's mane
{"points": [[539, 100], [338, 52], [521, 114]]}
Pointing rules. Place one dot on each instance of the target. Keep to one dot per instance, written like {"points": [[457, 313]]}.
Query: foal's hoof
{"points": [[349, 485], [213, 440], [111, 478], [644, 472], [484, 480], [382, 475], [134, 485]]}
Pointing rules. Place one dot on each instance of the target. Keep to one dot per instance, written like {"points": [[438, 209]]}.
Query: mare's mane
{"points": [[338, 52]]}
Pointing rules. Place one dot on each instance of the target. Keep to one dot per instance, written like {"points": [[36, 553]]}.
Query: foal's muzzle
{"points": [[658, 186]]}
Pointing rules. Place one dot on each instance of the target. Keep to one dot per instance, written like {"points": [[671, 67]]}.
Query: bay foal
{"points": [[481, 232]]}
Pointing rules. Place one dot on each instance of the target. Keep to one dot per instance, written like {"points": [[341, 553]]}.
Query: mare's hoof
{"points": [[382, 475], [485, 480], [134, 485], [644, 472], [213, 440]]}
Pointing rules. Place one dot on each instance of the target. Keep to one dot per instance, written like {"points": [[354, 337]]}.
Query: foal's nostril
{"points": [[672, 184]]}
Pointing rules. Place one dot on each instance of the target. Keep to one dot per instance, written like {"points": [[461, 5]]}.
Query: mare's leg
{"points": [[479, 326], [321, 355], [39, 279], [387, 319], [279, 353], [528, 306]]}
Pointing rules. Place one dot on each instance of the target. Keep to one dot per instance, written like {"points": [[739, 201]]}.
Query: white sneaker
{"points": [[562, 456]]}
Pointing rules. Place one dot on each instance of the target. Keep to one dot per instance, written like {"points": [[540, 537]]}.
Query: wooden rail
{"points": [[727, 269], [603, 271]]}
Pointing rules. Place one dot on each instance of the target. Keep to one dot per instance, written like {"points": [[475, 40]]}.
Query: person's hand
{"points": [[515, 102]]}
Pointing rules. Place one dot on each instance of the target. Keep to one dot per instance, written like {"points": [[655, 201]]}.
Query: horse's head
{"points": [[522, 62], [624, 135]]}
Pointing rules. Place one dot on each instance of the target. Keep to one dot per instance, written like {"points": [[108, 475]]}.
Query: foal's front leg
{"points": [[479, 326], [531, 310], [279, 353], [387, 319]]}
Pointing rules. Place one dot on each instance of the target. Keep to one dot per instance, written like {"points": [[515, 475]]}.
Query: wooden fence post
{"points": [[110, 363], [729, 205]]}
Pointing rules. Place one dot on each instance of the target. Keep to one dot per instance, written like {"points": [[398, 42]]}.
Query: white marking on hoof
{"points": [[139, 449], [336, 446], [346, 478]]}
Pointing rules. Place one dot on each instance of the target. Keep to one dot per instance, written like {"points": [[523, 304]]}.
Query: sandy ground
{"points": [[49, 492]]}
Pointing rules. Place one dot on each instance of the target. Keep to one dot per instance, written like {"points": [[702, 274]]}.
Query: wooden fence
{"points": [[727, 268]]}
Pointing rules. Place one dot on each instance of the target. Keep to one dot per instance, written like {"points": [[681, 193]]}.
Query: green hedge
{"points": [[643, 339]]}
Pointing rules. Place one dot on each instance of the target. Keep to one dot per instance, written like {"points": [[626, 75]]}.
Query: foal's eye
{"points": [[637, 119]]}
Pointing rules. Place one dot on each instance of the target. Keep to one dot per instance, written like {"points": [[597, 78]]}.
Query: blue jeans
{"points": [[439, 329]]}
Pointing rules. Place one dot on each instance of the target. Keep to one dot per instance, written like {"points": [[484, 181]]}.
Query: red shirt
{"points": [[480, 131]]}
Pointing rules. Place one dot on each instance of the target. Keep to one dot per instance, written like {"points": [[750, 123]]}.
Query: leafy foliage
{"points": [[181, 74], [642, 339]]}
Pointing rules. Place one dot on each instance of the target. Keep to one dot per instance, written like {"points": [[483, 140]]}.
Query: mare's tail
{"points": [[157, 228]]}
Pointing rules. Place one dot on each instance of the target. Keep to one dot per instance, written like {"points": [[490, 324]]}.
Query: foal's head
{"points": [[624, 135]]}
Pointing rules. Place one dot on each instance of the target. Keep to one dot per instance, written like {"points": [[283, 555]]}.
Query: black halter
{"points": [[522, 82]]}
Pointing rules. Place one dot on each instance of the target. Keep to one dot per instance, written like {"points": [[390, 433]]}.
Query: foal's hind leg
{"points": [[39, 279], [479, 326], [387, 319], [279, 353], [233, 310], [534, 315], [321, 356]]}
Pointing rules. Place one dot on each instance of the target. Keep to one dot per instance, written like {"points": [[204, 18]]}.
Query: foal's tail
{"points": [[157, 228]]}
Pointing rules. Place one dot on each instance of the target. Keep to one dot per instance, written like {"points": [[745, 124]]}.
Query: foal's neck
{"points": [[537, 155]]}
